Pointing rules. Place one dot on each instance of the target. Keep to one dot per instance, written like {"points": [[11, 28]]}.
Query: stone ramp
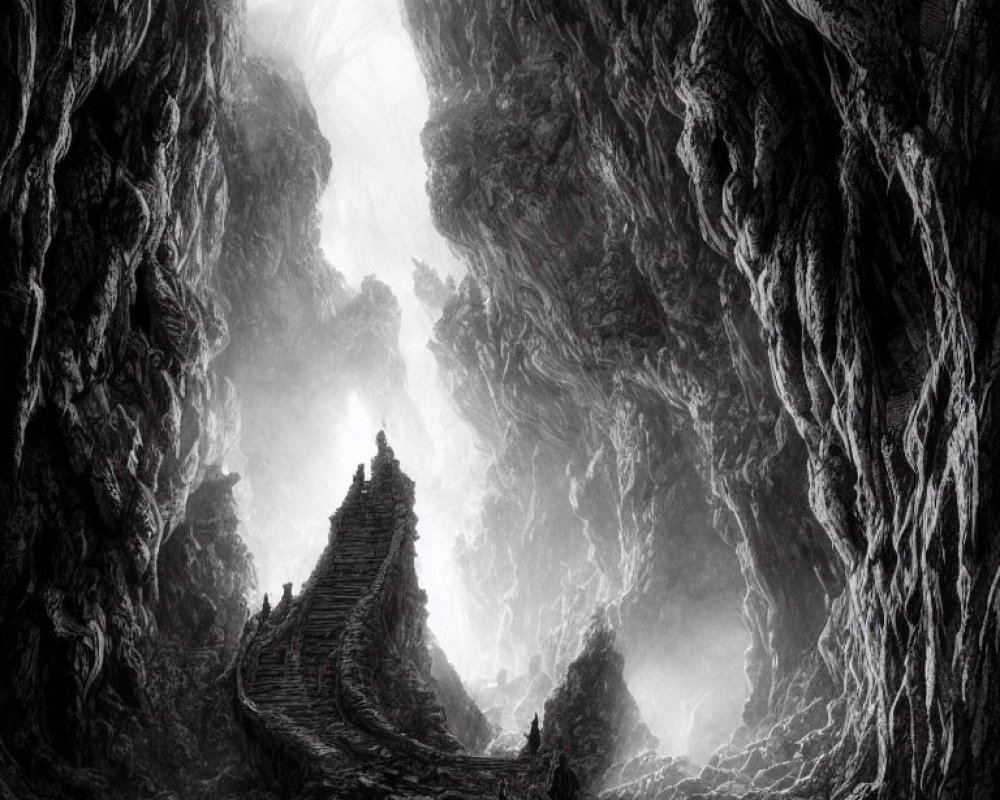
{"points": [[310, 692]]}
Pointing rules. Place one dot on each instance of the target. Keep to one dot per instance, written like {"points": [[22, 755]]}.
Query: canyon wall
{"points": [[114, 202], [163, 299], [743, 255]]}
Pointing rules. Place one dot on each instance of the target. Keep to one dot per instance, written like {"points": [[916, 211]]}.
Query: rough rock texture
{"points": [[772, 228], [591, 717], [152, 210], [113, 201], [570, 352], [335, 687]]}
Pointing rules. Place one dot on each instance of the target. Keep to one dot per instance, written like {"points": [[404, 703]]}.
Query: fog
{"points": [[371, 101], [361, 73]]}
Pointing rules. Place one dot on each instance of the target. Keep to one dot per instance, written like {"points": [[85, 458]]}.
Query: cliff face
{"points": [[114, 201], [754, 245], [607, 346], [591, 717], [158, 227]]}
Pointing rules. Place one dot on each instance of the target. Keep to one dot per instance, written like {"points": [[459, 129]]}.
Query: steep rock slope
{"points": [[591, 717], [610, 333], [335, 686], [114, 198], [794, 206]]}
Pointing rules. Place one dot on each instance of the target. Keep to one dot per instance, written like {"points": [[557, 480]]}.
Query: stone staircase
{"points": [[305, 691]]}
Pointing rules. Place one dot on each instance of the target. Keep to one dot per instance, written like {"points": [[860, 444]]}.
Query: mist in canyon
{"points": [[376, 375], [358, 65]]}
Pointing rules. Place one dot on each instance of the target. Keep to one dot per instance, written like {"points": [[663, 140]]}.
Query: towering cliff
{"points": [[159, 227], [728, 339], [749, 248], [114, 199]]}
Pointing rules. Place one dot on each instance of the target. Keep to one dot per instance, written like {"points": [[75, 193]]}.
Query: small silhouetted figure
{"points": [[565, 784], [265, 611], [502, 789], [534, 737]]}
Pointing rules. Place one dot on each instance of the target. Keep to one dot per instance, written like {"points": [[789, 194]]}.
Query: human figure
{"points": [[502, 789], [265, 611], [533, 736], [564, 784]]}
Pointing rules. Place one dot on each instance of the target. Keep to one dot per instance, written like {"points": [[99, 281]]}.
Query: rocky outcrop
{"points": [[464, 719], [591, 717], [771, 228], [335, 686], [432, 292]]}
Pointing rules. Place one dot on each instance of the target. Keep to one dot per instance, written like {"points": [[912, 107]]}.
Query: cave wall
{"points": [[773, 226]]}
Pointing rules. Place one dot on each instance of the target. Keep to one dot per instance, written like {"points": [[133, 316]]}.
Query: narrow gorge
{"points": [[701, 439]]}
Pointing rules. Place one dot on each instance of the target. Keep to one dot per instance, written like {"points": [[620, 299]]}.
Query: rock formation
{"points": [[156, 228], [753, 242], [465, 720], [335, 686], [728, 338], [114, 199], [591, 717]]}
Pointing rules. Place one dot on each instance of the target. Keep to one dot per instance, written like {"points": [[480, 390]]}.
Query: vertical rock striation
{"points": [[114, 198], [774, 226], [158, 195]]}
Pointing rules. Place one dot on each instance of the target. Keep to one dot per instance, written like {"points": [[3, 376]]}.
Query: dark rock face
{"points": [[769, 231], [591, 717], [588, 365], [114, 201], [158, 225], [204, 565]]}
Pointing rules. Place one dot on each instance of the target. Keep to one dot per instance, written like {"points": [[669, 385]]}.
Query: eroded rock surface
{"points": [[591, 717], [770, 230], [114, 198], [157, 225]]}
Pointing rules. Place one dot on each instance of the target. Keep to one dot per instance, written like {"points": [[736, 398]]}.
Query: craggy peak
{"points": [[680, 317]]}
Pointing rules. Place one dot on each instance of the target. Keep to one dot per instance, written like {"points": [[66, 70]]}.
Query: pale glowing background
{"points": [[371, 100], [362, 75]]}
